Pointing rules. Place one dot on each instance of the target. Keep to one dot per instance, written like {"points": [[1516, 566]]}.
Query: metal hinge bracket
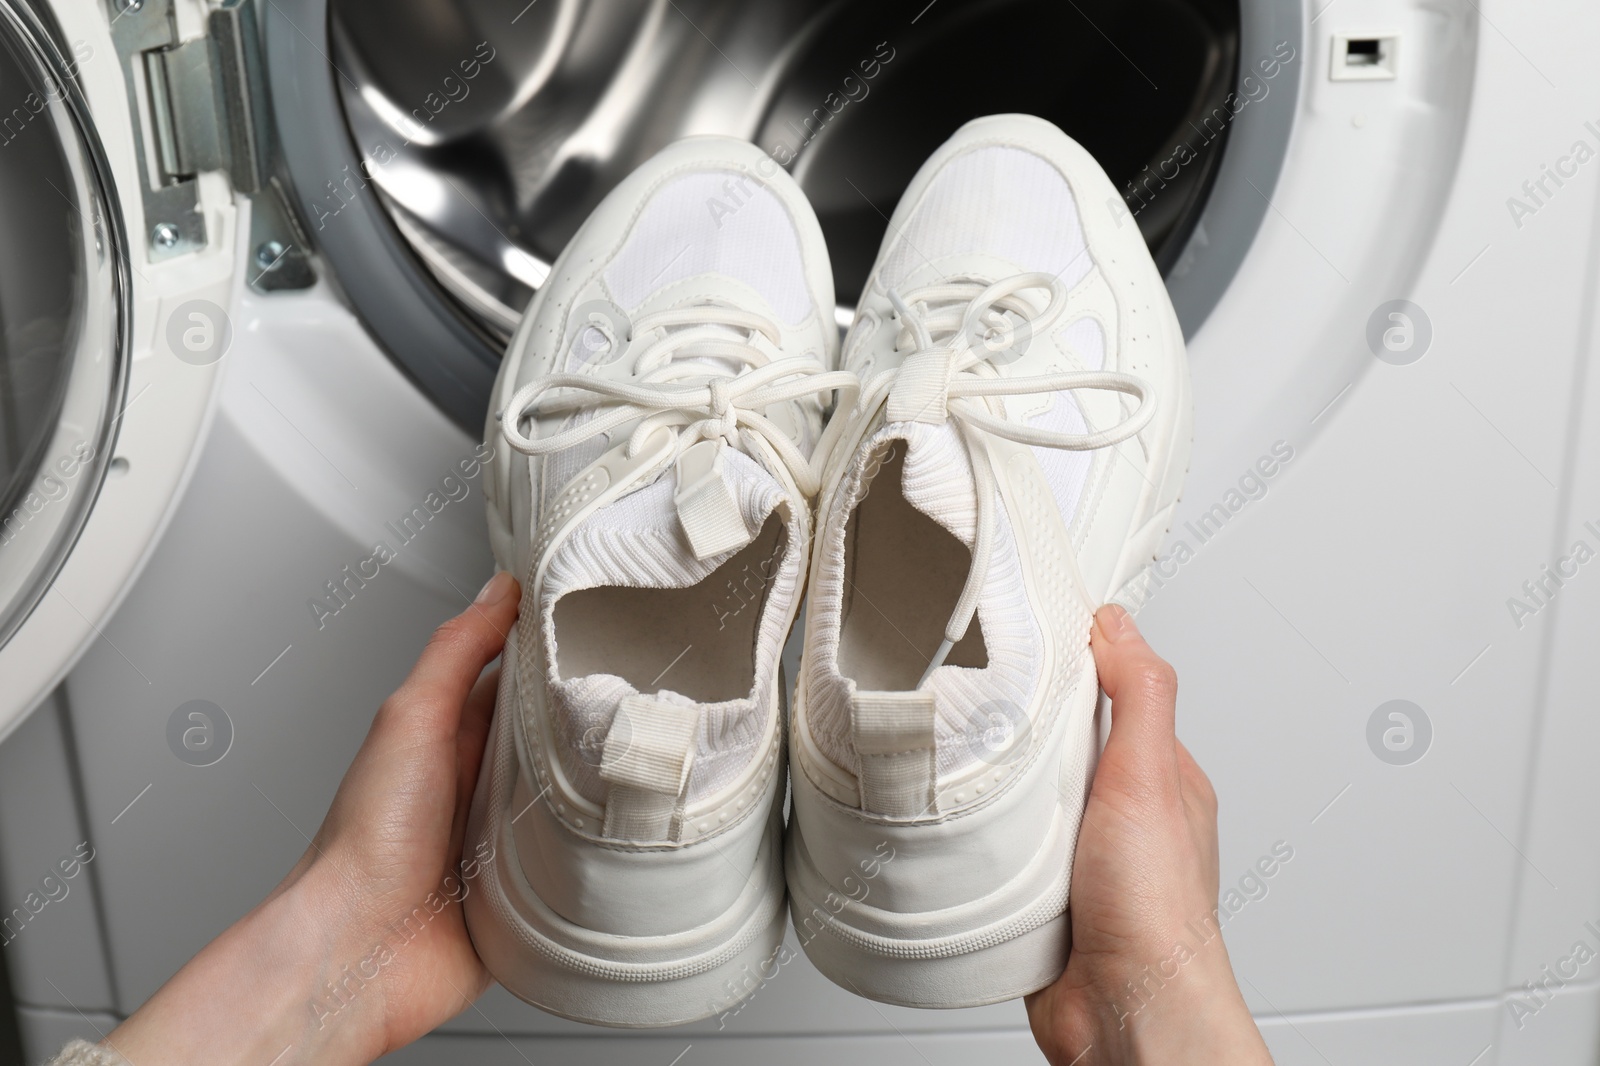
{"points": [[204, 109]]}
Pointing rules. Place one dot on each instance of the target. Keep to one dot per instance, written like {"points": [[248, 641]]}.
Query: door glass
{"points": [[62, 282]]}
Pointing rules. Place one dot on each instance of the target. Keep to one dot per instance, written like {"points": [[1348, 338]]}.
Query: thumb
{"points": [[449, 666], [1143, 688]]}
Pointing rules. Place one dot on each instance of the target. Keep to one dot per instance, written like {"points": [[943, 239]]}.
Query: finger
{"points": [[470, 740], [1144, 691], [449, 666], [476, 717]]}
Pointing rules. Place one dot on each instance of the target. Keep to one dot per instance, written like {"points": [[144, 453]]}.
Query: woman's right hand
{"points": [[1148, 979]]}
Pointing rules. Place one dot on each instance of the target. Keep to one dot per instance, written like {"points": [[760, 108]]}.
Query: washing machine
{"points": [[258, 259]]}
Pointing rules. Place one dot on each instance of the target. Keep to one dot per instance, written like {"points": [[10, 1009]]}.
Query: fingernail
{"points": [[495, 589], [1115, 623]]}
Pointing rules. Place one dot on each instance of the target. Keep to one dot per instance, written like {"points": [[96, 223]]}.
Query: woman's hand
{"points": [[1148, 979], [362, 948]]}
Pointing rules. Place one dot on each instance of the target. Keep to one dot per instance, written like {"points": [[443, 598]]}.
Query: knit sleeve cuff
{"points": [[83, 1053]]}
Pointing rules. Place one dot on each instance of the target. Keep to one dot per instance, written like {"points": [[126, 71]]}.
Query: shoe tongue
{"points": [[936, 477], [638, 541]]}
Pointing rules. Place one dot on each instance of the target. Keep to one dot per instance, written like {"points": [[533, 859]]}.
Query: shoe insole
{"points": [[698, 641], [903, 575]]}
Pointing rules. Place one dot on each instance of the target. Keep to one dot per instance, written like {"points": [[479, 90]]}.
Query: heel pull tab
{"points": [[646, 759], [893, 734]]}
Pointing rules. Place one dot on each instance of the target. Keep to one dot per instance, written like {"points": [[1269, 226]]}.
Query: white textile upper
{"points": [[1013, 463], [655, 420]]}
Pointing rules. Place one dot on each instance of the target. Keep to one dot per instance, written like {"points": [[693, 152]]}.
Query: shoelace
{"points": [[691, 399], [959, 329]]}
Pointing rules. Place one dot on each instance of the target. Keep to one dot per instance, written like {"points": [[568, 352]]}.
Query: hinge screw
{"points": [[268, 253], [165, 235]]}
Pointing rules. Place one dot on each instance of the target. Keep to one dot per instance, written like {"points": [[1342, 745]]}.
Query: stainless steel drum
{"points": [[490, 136]]}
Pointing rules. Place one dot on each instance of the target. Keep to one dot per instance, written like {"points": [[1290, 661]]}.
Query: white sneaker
{"points": [[1023, 429], [652, 490]]}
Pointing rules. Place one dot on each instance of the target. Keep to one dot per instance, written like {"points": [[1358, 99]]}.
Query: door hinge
{"points": [[204, 109], [205, 97]]}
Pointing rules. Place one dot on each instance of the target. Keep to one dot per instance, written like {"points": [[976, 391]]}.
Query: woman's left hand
{"points": [[363, 947]]}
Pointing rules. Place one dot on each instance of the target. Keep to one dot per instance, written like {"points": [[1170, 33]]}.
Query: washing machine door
{"points": [[108, 345]]}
